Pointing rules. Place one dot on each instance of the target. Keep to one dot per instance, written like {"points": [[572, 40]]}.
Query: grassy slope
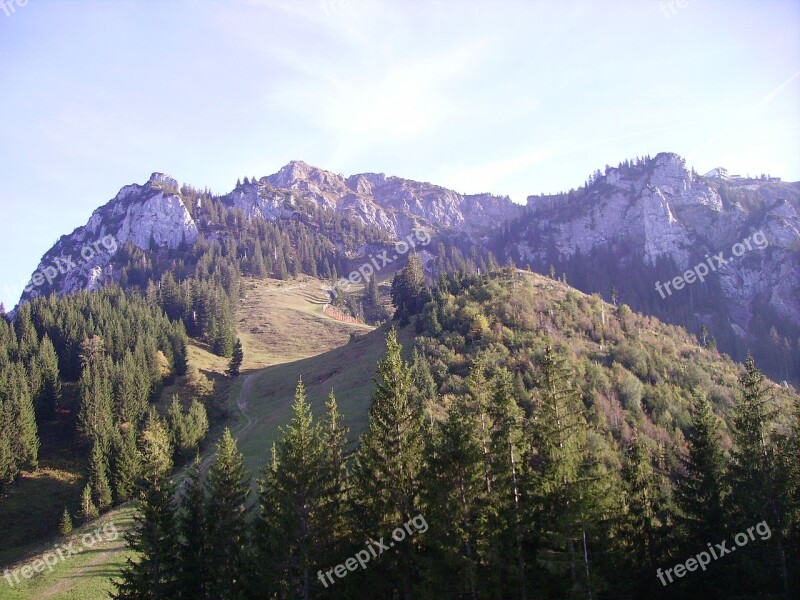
{"points": [[279, 322]]}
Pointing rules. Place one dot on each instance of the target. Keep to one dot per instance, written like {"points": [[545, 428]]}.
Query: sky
{"points": [[498, 96]]}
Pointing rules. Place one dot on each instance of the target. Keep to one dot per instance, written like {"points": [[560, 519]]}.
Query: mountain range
{"points": [[626, 229]]}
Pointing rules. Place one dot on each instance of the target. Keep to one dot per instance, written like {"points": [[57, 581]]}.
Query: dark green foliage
{"points": [[194, 546], [153, 572], [701, 487], [19, 448], [292, 496], [186, 429], [227, 489], [236, 359], [49, 393], [755, 484], [65, 525], [127, 466], [98, 479], [409, 293], [387, 466]]}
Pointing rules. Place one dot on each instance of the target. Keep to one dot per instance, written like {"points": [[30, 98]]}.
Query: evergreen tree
{"points": [[507, 462], [458, 506], [334, 483], [700, 489], [20, 419], [88, 509], [195, 550], [227, 488], [236, 359], [409, 293], [49, 393], [65, 525], [291, 499], [128, 466], [386, 467], [644, 525], [754, 483], [563, 490], [95, 418], [98, 479], [153, 572]]}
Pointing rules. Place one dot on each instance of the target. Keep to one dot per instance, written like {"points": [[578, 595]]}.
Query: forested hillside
{"points": [[538, 443]]}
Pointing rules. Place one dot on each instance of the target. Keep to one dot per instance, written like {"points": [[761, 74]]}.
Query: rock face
{"points": [[658, 209], [396, 205], [152, 216], [654, 210]]}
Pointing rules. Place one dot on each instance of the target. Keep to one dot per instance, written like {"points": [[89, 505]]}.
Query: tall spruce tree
{"points": [[644, 525], [291, 500], [95, 417], [458, 507], [98, 478], [227, 489], [24, 434], [128, 466], [152, 573], [701, 487], [334, 483], [195, 549], [49, 393], [508, 469], [563, 492], [755, 490], [236, 360], [386, 468]]}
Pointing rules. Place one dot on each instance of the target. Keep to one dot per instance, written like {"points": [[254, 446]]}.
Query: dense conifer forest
{"points": [[534, 443]]}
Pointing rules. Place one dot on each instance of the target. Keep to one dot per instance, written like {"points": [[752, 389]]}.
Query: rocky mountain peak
{"points": [[163, 181], [300, 175]]}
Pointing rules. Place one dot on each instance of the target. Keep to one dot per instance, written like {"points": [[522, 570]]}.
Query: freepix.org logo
{"points": [[9, 7], [64, 264], [757, 241]]}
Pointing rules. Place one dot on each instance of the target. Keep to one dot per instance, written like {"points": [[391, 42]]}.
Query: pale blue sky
{"points": [[510, 97]]}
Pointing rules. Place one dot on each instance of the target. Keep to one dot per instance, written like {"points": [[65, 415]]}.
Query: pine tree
{"points": [[458, 505], [236, 359], [292, 497], [408, 290], [95, 418], [65, 525], [49, 394], [644, 525], [153, 573], [754, 481], [88, 509], [334, 482], [700, 489], [507, 463], [194, 548], [24, 439], [564, 492], [98, 479], [8, 460], [227, 488], [128, 466], [386, 467]]}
